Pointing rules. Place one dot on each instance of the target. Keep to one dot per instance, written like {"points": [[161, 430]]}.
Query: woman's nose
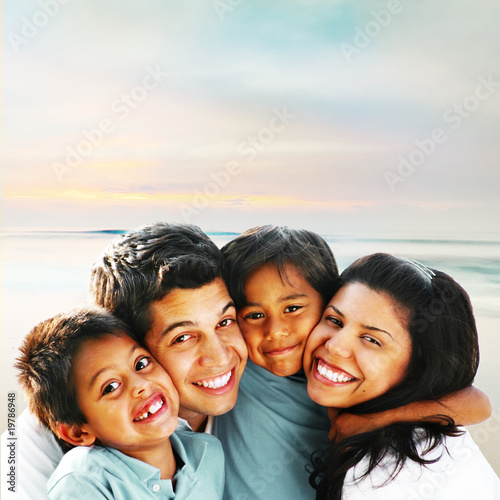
{"points": [[340, 344]]}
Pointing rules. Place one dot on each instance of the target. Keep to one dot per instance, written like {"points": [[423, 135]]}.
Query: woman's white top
{"points": [[461, 472]]}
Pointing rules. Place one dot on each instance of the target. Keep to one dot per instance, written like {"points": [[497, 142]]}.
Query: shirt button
{"points": [[156, 487]]}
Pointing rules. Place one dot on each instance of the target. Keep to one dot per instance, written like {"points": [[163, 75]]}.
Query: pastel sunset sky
{"points": [[340, 116]]}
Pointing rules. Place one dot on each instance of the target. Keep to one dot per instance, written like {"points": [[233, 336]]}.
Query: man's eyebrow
{"points": [[110, 367], [181, 324], [178, 324], [227, 306]]}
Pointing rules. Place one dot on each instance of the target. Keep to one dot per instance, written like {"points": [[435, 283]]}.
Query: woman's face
{"points": [[359, 350]]}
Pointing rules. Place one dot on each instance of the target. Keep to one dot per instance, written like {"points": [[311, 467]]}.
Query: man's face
{"points": [[196, 338]]}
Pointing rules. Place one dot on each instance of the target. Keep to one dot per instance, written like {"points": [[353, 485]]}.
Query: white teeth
{"points": [[331, 375], [216, 383], [152, 410]]}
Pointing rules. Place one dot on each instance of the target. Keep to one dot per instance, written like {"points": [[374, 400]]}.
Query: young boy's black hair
{"points": [[308, 252], [46, 360]]}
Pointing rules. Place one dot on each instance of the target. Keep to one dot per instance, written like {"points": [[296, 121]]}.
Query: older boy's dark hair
{"points": [[46, 362], [308, 252], [145, 265]]}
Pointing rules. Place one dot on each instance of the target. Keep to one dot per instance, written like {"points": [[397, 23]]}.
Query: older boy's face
{"points": [[279, 316], [128, 399], [195, 336]]}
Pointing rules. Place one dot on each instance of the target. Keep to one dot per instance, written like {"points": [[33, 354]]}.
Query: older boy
{"points": [[89, 382]]}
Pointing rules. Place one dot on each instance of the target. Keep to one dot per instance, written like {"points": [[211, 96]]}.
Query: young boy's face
{"points": [[128, 399], [279, 316]]}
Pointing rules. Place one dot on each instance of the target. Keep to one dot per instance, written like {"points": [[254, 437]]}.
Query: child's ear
{"points": [[75, 434]]}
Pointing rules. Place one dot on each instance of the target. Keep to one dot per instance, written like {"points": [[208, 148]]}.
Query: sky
{"points": [[365, 118]]}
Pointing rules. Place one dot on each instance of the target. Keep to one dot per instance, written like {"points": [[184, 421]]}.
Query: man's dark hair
{"points": [[145, 265]]}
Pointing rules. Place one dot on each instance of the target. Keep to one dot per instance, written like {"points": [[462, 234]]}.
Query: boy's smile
{"points": [[280, 314], [128, 399]]}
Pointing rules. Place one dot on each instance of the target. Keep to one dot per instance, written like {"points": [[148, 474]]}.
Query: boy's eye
{"points": [[254, 315], [110, 388], [291, 309], [142, 363]]}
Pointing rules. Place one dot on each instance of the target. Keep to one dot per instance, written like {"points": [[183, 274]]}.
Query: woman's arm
{"points": [[466, 407]]}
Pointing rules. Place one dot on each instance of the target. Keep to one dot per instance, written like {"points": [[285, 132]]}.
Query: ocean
{"points": [[46, 272]]}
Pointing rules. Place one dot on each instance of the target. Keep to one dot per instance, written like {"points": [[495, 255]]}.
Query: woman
{"points": [[396, 332]]}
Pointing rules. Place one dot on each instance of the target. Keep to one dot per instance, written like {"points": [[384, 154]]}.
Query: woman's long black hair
{"points": [[444, 359]]}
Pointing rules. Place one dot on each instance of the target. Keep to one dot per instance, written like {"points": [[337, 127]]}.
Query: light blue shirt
{"points": [[100, 472], [269, 437]]}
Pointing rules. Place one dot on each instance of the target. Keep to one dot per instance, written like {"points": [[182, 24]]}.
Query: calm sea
{"points": [[44, 273]]}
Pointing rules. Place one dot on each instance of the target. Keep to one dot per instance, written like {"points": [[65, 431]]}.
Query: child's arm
{"points": [[466, 407]]}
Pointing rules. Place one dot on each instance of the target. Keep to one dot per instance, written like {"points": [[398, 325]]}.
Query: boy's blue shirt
{"points": [[101, 472], [269, 437]]}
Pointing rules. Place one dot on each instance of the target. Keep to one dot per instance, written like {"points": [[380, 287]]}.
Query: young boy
{"points": [[102, 394], [280, 280]]}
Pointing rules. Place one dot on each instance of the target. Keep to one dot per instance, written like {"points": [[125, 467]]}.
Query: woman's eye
{"points": [[181, 338], [110, 388], [335, 321], [372, 340], [142, 363], [291, 309], [254, 315]]}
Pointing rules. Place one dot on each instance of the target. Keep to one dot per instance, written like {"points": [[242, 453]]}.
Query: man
{"points": [[165, 282]]}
